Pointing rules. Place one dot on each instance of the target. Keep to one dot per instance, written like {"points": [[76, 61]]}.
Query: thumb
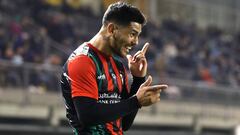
{"points": [[147, 82], [129, 58]]}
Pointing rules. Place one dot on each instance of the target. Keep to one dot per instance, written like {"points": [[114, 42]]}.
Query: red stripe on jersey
{"points": [[105, 67], [110, 128], [120, 132], [126, 80], [115, 69]]}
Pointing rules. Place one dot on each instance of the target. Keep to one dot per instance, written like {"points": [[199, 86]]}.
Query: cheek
{"points": [[124, 40]]}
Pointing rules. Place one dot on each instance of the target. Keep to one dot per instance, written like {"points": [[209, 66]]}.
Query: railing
{"points": [[195, 91], [29, 76], [45, 77]]}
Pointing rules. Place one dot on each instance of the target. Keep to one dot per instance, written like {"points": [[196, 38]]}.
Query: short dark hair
{"points": [[122, 13]]}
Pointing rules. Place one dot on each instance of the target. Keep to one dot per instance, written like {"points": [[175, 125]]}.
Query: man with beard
{"points": [[95, 81]]}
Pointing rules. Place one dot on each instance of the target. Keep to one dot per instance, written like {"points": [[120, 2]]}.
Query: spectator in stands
{"points": [[22, 19]]}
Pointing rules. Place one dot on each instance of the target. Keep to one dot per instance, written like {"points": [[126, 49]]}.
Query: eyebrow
{"points": [[135, 31]]}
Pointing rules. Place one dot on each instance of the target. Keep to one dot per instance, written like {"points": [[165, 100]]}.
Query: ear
{"points": [[111, 28]]}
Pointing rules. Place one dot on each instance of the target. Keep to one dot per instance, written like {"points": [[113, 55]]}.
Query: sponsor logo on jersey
{"points": [[109, 98], [101, 77]]}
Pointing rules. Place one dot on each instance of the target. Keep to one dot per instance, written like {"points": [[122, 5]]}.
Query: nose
{"points": [[135, 41]]}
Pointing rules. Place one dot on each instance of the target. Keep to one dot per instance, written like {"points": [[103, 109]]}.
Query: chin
{"points": [[122, 55]]}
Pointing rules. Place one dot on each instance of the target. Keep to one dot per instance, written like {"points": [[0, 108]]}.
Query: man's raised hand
{"points": [[138, 63], [147, 94]]}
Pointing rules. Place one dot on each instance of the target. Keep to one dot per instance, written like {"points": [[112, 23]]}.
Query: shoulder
{"points": [[81, 57], [82, 51], [81, 65]]}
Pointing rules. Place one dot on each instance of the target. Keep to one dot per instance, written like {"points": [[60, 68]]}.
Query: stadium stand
{"points": [[208, 55]]}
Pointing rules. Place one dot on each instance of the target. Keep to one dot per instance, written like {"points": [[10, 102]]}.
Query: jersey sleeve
{"points": [[82, 74]]}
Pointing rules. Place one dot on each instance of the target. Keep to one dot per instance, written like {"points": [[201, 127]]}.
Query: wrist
{"points": [[139, 78], [137, 101]]}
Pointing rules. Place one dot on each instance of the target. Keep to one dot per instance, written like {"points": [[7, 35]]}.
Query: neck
{"points": [[101, 42]]}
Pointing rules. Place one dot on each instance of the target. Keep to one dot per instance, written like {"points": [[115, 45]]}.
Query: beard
{"points": [[117, 45]]}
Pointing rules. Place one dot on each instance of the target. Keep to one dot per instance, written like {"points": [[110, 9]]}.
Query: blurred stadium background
{"points": [[195, 46]]}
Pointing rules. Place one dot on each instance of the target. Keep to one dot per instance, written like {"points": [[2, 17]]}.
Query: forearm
{"points": [[137, 81], [92, 113], [128, 119]]}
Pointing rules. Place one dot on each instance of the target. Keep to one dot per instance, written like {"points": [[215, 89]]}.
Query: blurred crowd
{"points": [[46, 31], [185, 51]]}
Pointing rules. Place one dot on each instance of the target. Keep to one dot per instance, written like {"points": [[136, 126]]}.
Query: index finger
{"points": [[144, 49], [157, 87]]}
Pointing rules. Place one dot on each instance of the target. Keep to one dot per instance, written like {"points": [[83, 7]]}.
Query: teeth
{"points": [[129, 48]]}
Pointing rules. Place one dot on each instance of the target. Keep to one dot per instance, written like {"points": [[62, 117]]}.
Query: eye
{"points": [[133, 34]]}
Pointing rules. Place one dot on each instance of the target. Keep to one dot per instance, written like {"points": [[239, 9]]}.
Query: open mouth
{"points": [[128, 48]]}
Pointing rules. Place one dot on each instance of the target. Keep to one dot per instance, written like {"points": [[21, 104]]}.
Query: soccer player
{"points": [[95, 82]]}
